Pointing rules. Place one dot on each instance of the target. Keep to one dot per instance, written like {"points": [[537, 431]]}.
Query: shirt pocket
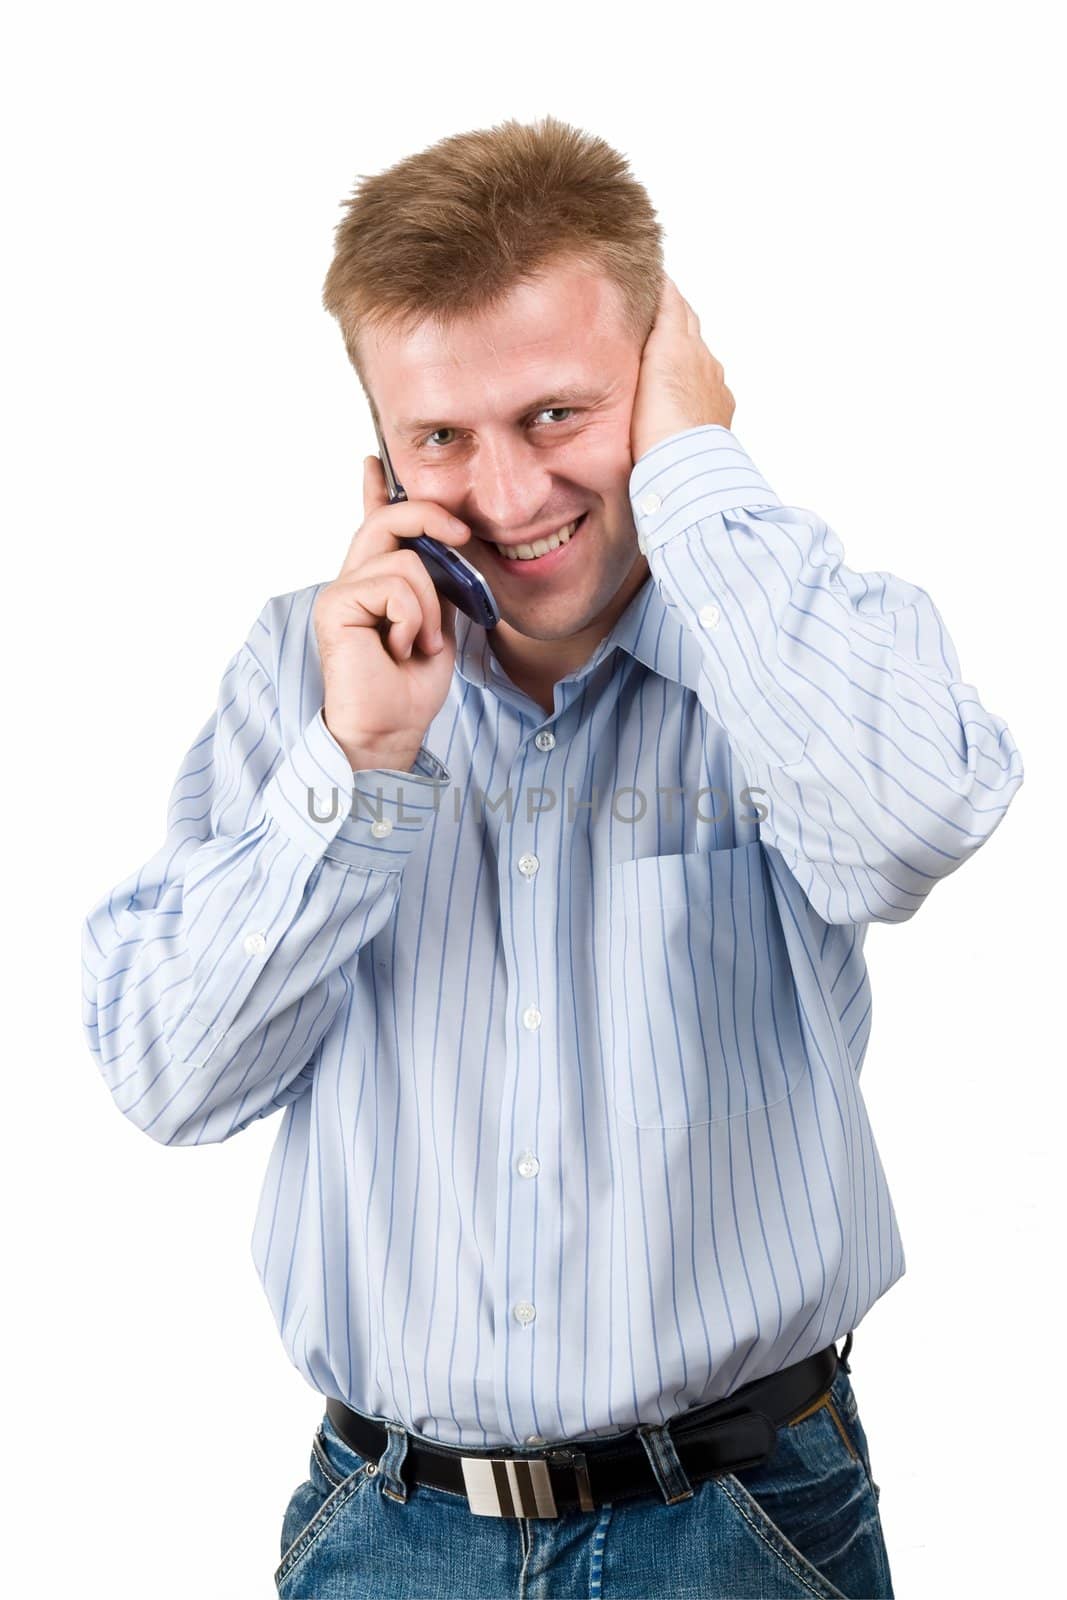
{"points": [[705, 1014]]}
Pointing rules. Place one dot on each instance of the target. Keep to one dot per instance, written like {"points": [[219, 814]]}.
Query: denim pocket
{"points": [[704, 1011], [843, 1400], [812, 1500], [336, 1473]]}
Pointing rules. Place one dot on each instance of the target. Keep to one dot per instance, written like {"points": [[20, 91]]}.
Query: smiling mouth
{"points": [[541, 553]]}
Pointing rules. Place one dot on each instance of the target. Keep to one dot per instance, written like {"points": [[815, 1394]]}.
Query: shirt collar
{"points": [[648, 631]]}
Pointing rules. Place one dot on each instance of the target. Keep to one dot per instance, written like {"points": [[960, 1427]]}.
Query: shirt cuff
{"points": [[371, 818], [691, 475]]}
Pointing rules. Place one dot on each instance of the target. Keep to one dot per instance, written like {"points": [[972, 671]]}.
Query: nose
{"points": [[509, 486]]}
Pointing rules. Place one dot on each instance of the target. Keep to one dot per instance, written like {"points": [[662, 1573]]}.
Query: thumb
{"points": [[375, 490], [448, 617]]}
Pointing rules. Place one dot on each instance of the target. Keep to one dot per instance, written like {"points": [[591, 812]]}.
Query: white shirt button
{"points": [[528, 865], [255, 944], [651, 504], [528, 1164], [709, 616], [536, 1438], [531, 1017], [544, 740], [381, 828], [524, 1312]]}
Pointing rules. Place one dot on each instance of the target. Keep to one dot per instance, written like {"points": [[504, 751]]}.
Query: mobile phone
{"points": [[453, 576]]}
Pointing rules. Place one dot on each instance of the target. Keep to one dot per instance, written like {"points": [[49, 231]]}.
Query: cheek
{"points": [[601, 453], [606, 475], [615, 468]]}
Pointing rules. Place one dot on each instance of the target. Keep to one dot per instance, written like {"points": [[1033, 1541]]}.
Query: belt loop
{"points": [[392, 1460], [670, 1474]]}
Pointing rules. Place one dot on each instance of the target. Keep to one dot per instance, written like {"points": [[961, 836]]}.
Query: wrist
{"points": [[395, 755], [370, 760]]}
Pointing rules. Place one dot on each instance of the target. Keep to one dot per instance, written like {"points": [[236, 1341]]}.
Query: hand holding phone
{"points": [[453, 576], [385, 672]]}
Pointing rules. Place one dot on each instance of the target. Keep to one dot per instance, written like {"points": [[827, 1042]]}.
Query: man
{"points": [[548, 938]]}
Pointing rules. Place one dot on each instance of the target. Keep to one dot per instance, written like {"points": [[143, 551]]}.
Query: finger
{"points": [[673, 314], [692, 321], [403, 619], [375, 489], [681, 304], [412, 569], [386, 528], [386, 602]]}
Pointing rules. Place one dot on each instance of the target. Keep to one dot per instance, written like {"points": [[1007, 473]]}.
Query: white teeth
{"points": [[529, 552]]}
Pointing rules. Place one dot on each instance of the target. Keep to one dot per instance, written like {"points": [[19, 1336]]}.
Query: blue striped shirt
{"points": [[567, 1021]]}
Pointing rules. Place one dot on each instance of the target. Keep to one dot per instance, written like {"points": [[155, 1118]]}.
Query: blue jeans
{"points": [[805, 1522]]}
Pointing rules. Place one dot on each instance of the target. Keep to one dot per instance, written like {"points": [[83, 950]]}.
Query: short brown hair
{"points": [[452, 230]]}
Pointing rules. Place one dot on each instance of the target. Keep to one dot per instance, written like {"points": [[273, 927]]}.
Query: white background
{"points": [[861, 204]]}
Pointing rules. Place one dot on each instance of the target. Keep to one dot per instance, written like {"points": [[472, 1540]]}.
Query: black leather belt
{"points": [[725, 1436]]}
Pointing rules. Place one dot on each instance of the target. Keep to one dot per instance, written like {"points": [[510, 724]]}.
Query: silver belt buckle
{"points": [[506, 1486]]}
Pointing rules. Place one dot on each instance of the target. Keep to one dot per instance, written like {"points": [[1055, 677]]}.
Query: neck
{"points": [[537, 665]]}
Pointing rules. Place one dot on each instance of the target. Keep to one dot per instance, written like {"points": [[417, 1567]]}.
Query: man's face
{"points": [[517, 421]]}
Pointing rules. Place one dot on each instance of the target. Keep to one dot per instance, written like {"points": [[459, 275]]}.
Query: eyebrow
{"points": [[566, 396]]}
